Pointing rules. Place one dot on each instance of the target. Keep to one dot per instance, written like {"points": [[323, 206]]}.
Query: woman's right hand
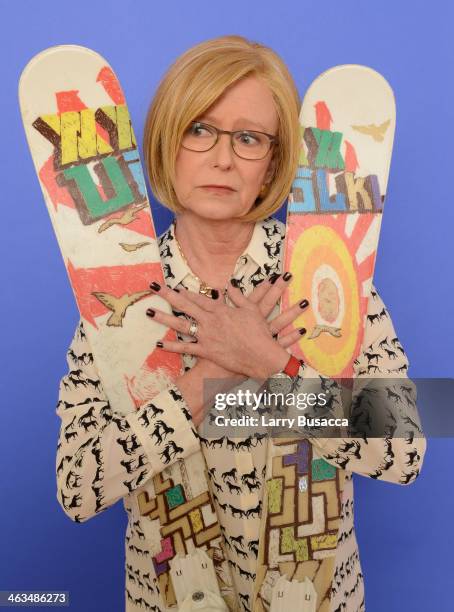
{"points": [[265, 295]]}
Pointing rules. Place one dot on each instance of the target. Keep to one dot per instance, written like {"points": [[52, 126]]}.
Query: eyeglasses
{"points": [[246, 144]]}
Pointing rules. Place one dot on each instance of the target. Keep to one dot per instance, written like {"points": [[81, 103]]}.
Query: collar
{"points": [[261, 250]]}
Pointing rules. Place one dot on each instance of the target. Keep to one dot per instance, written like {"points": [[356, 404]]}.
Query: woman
{"points": [[221, 146]]}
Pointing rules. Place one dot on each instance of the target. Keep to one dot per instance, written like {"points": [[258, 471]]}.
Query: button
{"points": [[198, 596]]}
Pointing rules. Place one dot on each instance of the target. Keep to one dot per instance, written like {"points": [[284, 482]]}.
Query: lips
{"points": [[225, 187]]}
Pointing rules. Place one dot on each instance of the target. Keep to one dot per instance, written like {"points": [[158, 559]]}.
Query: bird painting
{"points": [[377, 132], [119, 305]]}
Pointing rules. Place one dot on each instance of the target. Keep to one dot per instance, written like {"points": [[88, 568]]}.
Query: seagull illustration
{"points": [[127, 217], [319, 329], [377, 132], [119, 305], [133, 247]]}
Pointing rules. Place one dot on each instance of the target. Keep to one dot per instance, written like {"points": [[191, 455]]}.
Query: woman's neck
{"points": [[212, 247]]}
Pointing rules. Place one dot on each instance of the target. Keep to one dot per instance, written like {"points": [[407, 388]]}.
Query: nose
{"points": [[222, 151]]}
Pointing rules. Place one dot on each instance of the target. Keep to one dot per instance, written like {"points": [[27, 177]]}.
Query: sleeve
{"points": [[383, 399], [103, 455]]}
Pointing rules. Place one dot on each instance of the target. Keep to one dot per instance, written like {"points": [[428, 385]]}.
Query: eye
{"points": [[248, 138], [198, 129]]}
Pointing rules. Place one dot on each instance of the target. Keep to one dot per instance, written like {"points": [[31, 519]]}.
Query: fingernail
{"points": [[150, 312], [234, 282], [304, 303], [214, 294], [155, 286], [275, 336], [195, 341], [274, 277], [177, 290], [302, 331], [287, 276], [159, 344]]}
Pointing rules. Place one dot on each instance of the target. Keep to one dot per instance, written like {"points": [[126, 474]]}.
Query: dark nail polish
{"points": [[150, 312], [287, 276], [177, 290], [304, 303], [234, 282], [275, 336], [302, 331], [155, 286], [159, 344], [214, 294], [274, 277]]}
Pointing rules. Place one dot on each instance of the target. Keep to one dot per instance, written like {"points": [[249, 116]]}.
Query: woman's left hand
{"points": [[238, 339]]}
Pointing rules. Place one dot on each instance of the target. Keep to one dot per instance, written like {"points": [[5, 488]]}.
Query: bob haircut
{"points": [[192, 84]]}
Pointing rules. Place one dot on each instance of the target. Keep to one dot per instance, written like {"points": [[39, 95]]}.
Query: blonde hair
{"points": [[192, 84]]}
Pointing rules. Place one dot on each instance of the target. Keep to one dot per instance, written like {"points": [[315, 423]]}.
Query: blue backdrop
{"points": [[406, 552]]}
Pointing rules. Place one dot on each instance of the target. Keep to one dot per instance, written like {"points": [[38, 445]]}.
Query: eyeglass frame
{"points": [[273, 140]]}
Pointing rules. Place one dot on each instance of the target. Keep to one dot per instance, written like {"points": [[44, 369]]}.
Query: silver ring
{"points": [[193, 328]]}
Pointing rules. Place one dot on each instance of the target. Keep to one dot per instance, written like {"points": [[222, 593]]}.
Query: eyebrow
{"points": [[254, 123]]}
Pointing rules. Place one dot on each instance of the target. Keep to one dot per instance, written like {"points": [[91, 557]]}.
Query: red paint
{"points": [[115, 280], [58, 195], [350, 158], [322, 116], [111, 85]]}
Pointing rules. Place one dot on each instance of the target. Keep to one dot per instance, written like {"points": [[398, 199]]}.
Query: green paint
{"points": [[96, 206], [322, 470], [175, 496]]}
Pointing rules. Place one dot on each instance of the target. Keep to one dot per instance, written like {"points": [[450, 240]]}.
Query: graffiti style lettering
{"points": [[310, 189], [83, 135], [327, 203], [303, 192], [117, 183], [324, 149], [362, 193]]}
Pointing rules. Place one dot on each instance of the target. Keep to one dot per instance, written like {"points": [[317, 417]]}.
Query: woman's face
{"points": [[247, 105]]}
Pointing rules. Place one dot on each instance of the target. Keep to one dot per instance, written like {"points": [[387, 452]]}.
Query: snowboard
{"points": [[334, 215], [85, 153], [335, 211]]}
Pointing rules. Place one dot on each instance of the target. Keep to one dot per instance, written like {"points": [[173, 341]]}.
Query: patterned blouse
{"points": [[103, 456]]}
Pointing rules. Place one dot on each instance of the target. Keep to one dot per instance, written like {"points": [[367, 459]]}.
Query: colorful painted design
{"points": [[334, 213], [85, 153], [185, 524], [333, 223], [300, 530]]}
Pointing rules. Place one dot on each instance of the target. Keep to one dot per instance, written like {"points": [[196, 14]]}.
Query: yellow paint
{"points": [[70, 126], [274, 487], [126, 138], [87, 139], [314, 246], [355, 188], [324, 541], [196, 520]]}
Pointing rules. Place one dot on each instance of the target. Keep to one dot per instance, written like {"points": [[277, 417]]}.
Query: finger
{"points": [[178, 323], [178, 299], [203, 300], [276, 287], [238, 299], [192, 348], [288, 316], [291, 338], [259, 291]]}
